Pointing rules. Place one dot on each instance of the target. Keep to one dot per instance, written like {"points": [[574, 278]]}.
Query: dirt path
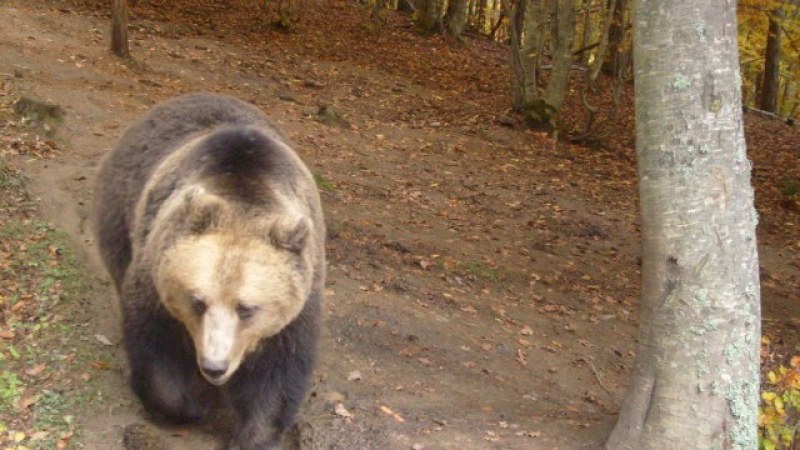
{"points": [[482, 290]]}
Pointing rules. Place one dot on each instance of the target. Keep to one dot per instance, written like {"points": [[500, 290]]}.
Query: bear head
{"points": [[232, 276]]}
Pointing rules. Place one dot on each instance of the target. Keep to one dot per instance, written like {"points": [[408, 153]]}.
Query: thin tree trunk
{"points": [[616, 37], [520, 70], [789, 95], [556, 89], [504, 8], [772, 62], [481, 20], [527, 30], [119, 28], [587, 29], [696, 376], [600, 56]]}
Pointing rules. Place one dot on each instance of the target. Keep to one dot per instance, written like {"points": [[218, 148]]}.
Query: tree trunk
{"points": [[772, 61], [789, 98], [483, 5], [558, 82], [456, 17], [600, 56], [587, 30], [616, 37], [527, 38], [696, 376], [430, 15], [119, 28]]}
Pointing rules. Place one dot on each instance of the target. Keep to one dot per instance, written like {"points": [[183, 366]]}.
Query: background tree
{"points": [[429, 16], [119, 28], [528, 20], [613, 64], [770, 82], [456, 17], [563, 38], [609, 16], [769, 43], [696, 379], [528, 36]]}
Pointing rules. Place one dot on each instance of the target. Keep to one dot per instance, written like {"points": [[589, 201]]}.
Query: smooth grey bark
{"points": [[119, 28], [772, 61], [696, 377]]}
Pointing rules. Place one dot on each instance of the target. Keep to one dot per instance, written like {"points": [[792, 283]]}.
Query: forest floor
{"points": [[483, 278]]}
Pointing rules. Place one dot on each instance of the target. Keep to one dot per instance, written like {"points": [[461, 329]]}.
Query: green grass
{"points": [[482, 271], [43, 361], [323, 183]]}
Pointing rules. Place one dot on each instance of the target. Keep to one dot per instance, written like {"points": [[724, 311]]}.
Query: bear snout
{"points": [[213, 371]]}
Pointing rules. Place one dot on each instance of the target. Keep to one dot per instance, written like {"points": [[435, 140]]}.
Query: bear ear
{"points": [[291, 234], [202, 210], [203, 218]]}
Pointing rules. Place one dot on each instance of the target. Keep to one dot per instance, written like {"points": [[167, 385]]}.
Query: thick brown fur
{"points": [[206, 168]]}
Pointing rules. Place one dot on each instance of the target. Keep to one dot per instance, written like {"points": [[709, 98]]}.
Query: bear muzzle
{"points": [[216, 352], [213, 371]]}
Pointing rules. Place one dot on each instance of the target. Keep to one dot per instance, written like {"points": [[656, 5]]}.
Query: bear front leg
{"points": [[164, 373], [267, 391]]}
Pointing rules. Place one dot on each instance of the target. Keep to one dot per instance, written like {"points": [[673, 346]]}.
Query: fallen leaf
{"points": [[340, 410], [36, 370], [386, 410], [526, 331], [99, 365], [102, 339], [521, 357], [524, 342], [27, 402]]}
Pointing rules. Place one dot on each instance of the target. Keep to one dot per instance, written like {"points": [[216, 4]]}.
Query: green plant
{"points": [[9, 388], [323, 183], [482, 271]]}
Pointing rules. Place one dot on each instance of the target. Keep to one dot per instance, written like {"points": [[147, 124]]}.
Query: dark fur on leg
{"points": [[270, 387], [164, 374]]}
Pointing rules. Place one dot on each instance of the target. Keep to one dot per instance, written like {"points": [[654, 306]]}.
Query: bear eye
{"points": [[246, 312], [198, 305]]}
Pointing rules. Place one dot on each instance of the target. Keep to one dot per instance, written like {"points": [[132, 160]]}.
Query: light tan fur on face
{"points": [[224, 272]]}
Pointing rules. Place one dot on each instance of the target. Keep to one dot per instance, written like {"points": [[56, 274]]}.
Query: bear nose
{"points": [[214, 369]]}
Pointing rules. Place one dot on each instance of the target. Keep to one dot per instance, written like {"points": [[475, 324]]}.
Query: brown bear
{"points": [[212, 230]]}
